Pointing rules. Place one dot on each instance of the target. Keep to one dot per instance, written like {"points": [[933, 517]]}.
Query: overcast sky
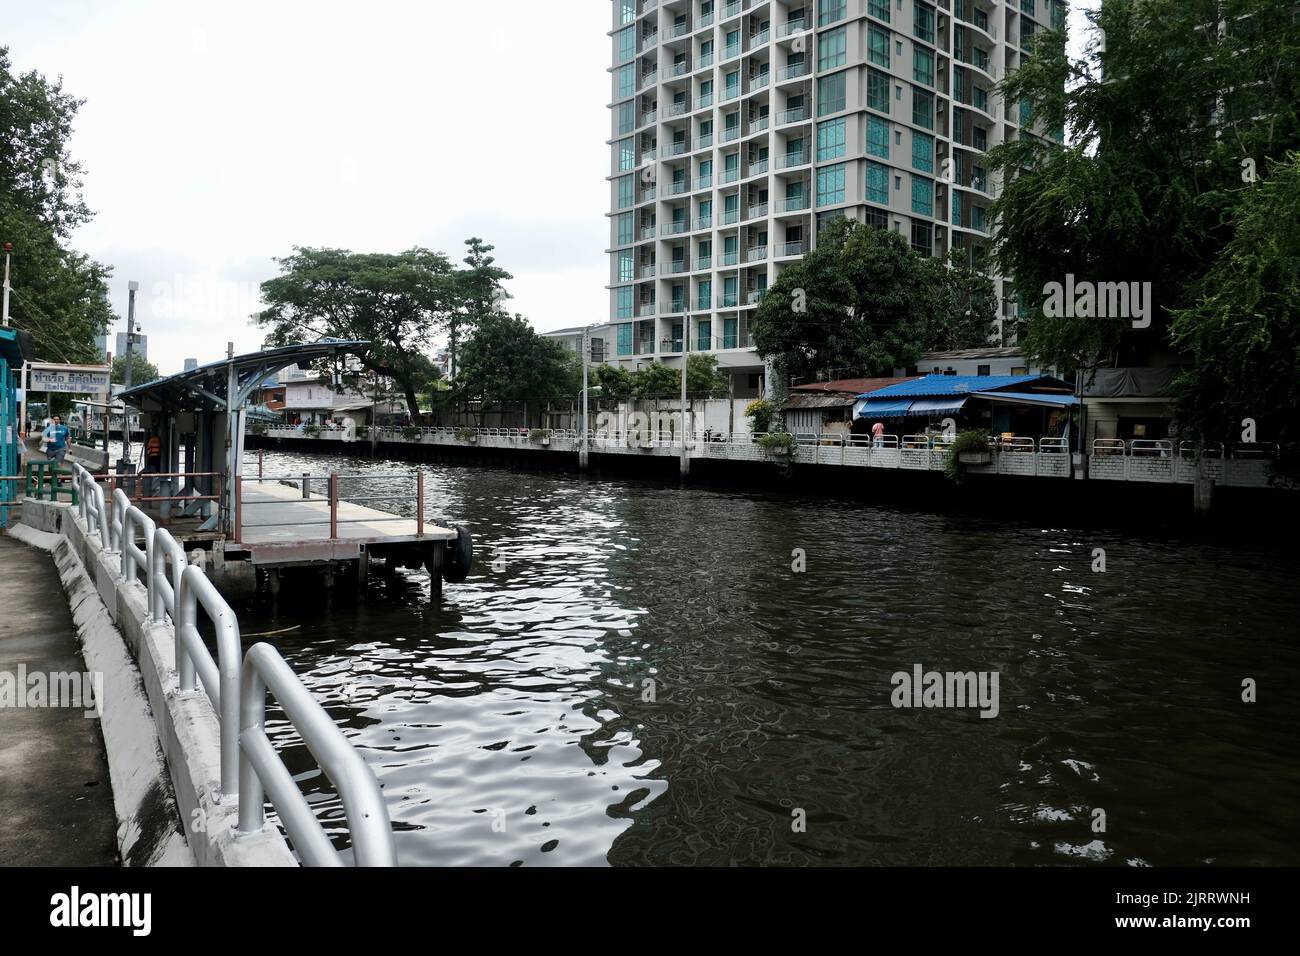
{"points": [[219, 135]]}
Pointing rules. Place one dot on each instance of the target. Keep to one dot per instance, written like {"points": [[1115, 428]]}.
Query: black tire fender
{"points": [[459, 556]]}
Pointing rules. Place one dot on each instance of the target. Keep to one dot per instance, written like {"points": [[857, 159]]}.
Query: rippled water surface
{"points": [[634, 674]]}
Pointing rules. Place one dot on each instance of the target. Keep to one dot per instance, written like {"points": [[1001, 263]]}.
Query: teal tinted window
{"points": [[878, 46], [923, 195], [830, 185], [922, 108], [626, 155], [623, 308], [923, 66], [626, 191], [879, 9], [626, 44], [830, 140], [877, 90], [832, 49], [626, 267], [626, 229], [625, 330], [626, 80], [878, 183], [923, 21], [830, 94], [923, 152], [828, 11], [877, 137]]}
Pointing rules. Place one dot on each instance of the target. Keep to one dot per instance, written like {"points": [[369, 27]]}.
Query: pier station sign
{"points": [[68, 379]]}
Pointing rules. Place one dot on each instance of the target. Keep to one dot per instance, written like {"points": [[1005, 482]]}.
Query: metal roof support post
{"points": [[232, 447]]}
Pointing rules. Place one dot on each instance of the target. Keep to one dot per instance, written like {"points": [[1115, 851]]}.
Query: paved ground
{"points": [[56, 802]]}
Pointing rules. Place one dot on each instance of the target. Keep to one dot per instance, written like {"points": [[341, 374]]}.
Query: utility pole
{"points": [[686, 351], [131, 288], [9, 247], [586, 360]]}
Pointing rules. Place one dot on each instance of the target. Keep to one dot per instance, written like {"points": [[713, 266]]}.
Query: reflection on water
{"points": [[634, 674]]}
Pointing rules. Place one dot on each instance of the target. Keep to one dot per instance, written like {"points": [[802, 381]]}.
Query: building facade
{"points": [[739, 128]]}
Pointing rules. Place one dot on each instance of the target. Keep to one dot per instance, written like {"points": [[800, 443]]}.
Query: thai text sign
{"points": [[73, 379]]}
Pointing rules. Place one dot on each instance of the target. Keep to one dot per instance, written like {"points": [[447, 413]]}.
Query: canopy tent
{"points": [[208, 404]]}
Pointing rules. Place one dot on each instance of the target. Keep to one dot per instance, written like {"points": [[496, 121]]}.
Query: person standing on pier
{"points": [[55, 437], [153, 453], [878, 434]]}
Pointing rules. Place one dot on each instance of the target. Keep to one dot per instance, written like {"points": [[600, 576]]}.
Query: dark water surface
{"points": [[514, 721]]}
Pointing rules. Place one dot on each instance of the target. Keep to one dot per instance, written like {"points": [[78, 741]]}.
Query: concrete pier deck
{"points": [[56, 800]]}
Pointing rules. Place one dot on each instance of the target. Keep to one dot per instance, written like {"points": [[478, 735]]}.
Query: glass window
{"points": [[626, 155], [1027, 6], [626, 44], [878, 183], [830, 94], [923, 243], [923, 21], [626, 11], [626, 229], [626, 80], [704, 295], [733, 83], [923, 66], [922, 108], [623, 300], [626, 117], [625, 332], [923, 195], [830, 185], [626, 191], [703, 335], [878, 46], [832, 49], [830, 140], [879, 9], [626, 268], [923, 152], [828, 11], [877, 137], [877, 90]]}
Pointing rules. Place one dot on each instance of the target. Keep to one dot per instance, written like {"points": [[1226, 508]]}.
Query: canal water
{"points": [[638, 674]]}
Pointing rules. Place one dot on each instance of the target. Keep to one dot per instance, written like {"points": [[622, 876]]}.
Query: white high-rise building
{"points": [[739, 127]]}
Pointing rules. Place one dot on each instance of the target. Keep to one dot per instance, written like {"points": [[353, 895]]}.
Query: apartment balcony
{"points": [[702, 263], [649, 79], [671, 346], [731, 51], [648, 232], [647, 310], [760, 38], [795, 203], [646, 272], [677, 187], [756, 254], [680, 29], [796, 115], [704, 182], [730, 176], [730, 217], [792, 72], [677, 109], [758, 168], [703, 101], [797, 248], [789, 29], [758, 81], [755, 296], [731, 134], [730, 94], [674, 228], [705, 59], [649, 40], [704, 21], [729, 259], [675, 307], [676, 149], [756, 212], [676, 267], [758, 124], [647, 195], [678, 69], [648, 117], [703, 305], [732, 9], [729, 301], [702, 141], [646, 156], [790, 160], [704, 222]]}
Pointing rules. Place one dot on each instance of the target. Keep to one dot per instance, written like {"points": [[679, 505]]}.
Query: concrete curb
{"points": [[185, 726]]}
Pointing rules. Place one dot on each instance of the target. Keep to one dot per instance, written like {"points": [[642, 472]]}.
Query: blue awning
{"points": [[884, 408], [937, 406], [1031, 398]]}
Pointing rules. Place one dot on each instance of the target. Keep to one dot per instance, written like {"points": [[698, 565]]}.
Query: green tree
{"points": [[58, 294], [480, 293], [504, 360], [612, 379], [703, 377], [861, 299], [964, 312], [1243, 329], [656, 380], [142, 370], [1165, 123], [394, 302]]}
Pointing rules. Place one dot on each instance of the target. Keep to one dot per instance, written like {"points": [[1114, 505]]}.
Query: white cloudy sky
{"points": [[219, 135]]}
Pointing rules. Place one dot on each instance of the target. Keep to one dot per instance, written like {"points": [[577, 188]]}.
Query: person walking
{"points": [[55, 438], [878, 434]]}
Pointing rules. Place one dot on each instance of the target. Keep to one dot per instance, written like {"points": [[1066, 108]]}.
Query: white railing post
{"points": [[220, 679]]}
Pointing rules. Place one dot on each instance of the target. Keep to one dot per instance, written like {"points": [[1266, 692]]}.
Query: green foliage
{"points": [[656, 380], [972, 439], [410, 432], [311, 431], [703, 377], [141, 370], [504, 360], [612, 379], [363, 431], [762, 412], [464, 433], [539, 434], [1244, 327], [1148, 188], [863, 299], [58, 295], [779, 443]]}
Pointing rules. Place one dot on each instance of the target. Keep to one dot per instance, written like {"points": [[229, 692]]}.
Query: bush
{"points": [[762, 413], [410, 432], [973, 439], [464, 433], [539, 434], [779, 443], [311, 431], [363, 431]]}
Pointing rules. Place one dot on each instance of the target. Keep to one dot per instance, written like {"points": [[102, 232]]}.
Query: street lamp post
{"points": [[131, 288], [586, 361], [686, 351], [9, 247]]}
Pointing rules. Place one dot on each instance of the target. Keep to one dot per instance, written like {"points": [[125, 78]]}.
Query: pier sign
{"points": [[69, 379]]}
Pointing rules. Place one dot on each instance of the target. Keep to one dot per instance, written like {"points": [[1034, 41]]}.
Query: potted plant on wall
{"points": [[540, 436], [970, 447]]}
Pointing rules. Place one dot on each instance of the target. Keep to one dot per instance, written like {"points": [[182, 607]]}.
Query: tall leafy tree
{"points": [[504, 360], [481, 292], [142, 370], [395, 302], [59, 295]]}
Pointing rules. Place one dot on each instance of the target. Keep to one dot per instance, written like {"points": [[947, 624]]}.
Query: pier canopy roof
{"points": [[948, 394], [207, 387]]}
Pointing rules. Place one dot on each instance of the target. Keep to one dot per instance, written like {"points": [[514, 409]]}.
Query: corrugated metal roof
{"points": [[933, 385], [1032, 398], [853, 386], [802, 401]]}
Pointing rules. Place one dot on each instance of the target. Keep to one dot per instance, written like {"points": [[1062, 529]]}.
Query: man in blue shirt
{"points": [[56, 440]]}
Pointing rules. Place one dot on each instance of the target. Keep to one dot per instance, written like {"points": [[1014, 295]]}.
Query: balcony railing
{"points": [[729, 301], [677, 187], [676, 149], [756, 212], [796, 115], [731, 9], [704, 222], [730, 50], [649, 117], [703, 101], [704, 182], [679, 69], [758, 124], [758, 168], [794, 203], [671, 346], [788, 160], [648, 232], [703, 140], [790, 28], [647, 194], [647, 310], [758, 81], [677, 109], [649, 40], [794, 248], [704, 262], [681, 29], [730, 175], [674, 228], [729, 259], [730, 93], [755, 296], [706, 59], [731, 134], [705, 20], [793, 71], [649, 79], [730, 216], [755, 253], [646, 272], [760, 38]]}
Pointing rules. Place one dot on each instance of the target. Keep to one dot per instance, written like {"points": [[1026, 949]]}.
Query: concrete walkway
{"points": [[56, 802]]}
